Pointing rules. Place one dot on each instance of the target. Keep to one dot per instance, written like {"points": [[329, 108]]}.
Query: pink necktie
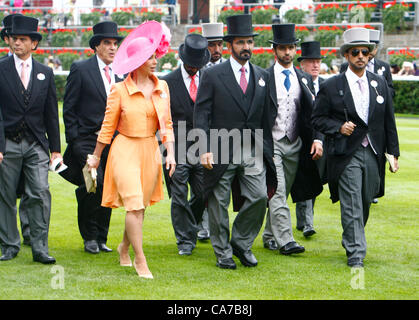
{"points": [[362, 89], [243, 81], [192, 88], [23, 75], [107, 74]]}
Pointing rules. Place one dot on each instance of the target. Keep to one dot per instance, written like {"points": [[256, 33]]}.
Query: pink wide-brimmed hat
{"points": [[148, 38]]}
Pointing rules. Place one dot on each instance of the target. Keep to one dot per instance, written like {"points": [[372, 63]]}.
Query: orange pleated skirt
{"points": [[133, 175]]}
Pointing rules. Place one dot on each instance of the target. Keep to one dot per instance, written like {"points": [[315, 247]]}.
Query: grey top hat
{"points": [[374, 36], [213, 31], [356, 37]]}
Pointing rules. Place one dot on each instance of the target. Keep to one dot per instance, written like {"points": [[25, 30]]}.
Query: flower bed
{"points": [[399, 56]]}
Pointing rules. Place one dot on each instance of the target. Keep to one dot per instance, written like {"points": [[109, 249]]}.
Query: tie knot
{"points": [[286, 72], [106, 68], [193, 77], [243, 69]]}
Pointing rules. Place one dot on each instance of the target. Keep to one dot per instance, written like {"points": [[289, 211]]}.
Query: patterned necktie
{"points": [[192, 88], [362, 89], [243, 81], [107, 75], [24, 76], [287, 81]]}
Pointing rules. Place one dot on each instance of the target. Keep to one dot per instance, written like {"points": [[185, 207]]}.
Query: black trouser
{"points": [[93, 219], [186, 214]]}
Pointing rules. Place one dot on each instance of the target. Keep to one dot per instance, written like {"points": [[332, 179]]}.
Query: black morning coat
{"points": [[182, 108], [40, 116], [307, 184], [334, 105], [83, 109], [218, 106]]}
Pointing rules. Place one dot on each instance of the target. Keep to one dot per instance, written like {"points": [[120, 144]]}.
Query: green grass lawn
{"points": [[391, 266]]}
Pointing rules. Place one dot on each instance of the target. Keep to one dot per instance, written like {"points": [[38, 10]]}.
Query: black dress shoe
{"points": [[91, 246], [271, 245], [226, 263], [8, 254], [247, 258], [185, 252], [103, 247], [203, 235], [300, 228], [356, 263], [290, 248], [375, 200], [308, 231], [43, 258]]}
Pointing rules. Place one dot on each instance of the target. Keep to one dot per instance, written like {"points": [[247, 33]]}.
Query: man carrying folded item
{"points": [[355, 111]]}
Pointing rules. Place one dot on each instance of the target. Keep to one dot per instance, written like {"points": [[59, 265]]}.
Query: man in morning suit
{"points": [[377, 66], [23, 216], [232, 102], [86, 92], [30, 130], [310, 61], [214, 33], [183, 86], [295, 143], [355, 111]]}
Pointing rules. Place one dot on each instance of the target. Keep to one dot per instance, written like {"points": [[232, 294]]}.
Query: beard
{"points": [[243, 55], [356, 66], [285, 60]]}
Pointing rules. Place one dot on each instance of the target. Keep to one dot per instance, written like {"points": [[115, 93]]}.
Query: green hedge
{"points": [[407, 97], [406, 100]]}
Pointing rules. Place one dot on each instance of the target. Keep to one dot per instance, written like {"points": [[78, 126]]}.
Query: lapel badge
{"points": [[304, 80], [163, 95], [40, 76], [261, 82], [374, 83], [380, 99]]}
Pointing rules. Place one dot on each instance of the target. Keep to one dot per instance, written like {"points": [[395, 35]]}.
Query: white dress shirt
{"points": [[316, 84], [102, 66], [236, 70], [361, 100], [370, 65], [187, 78], [18, 64]]}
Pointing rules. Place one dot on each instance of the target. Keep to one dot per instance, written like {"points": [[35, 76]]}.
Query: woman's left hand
{"points": [[170, 164]]}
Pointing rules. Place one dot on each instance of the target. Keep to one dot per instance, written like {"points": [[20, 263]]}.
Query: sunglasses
{"points": [[355, 52]]}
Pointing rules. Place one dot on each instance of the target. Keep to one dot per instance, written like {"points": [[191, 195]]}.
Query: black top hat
{"points": [[310, 50], [284, 34], [103, 30], [7, 23], [25, 26], [239, 26], [194, 52]]}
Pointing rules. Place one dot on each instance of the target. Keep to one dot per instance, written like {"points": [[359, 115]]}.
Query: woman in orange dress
{"points": [[137, 108]]}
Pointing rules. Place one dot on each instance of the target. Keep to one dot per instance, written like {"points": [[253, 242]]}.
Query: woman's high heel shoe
{"points": [[126, 264], [143, 275]]}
